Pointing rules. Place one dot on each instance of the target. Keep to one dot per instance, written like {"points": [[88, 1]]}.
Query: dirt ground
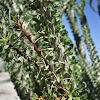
{"points": [[7, 91]]}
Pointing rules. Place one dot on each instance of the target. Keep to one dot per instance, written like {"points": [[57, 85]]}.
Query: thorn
{"points": [[23, 21], [27, 24]]}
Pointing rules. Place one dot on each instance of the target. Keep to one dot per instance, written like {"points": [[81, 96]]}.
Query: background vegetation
{"points": [[42, 61]]}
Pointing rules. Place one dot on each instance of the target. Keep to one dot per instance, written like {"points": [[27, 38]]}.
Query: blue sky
{"points": [[93, 20]]}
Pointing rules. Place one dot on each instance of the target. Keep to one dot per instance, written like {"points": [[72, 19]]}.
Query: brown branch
{"points": [[39, 54], [17, 40]]}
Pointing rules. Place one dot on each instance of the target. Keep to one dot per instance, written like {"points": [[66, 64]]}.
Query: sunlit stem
{"points": [[43, 50], [58, 69], [48, 54], [38, 39]]}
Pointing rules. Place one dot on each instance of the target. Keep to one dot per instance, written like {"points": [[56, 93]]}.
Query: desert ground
{"points": [[7, 91]]}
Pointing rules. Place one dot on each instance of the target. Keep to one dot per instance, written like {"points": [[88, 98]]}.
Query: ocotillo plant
{"points": [[42, 61]]}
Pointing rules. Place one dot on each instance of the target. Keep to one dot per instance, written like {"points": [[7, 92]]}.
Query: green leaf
{"points": [[60, 45], [50, 48], [32, 67], [70, 97], [68, 52], [58, 79], [52, 1], [27, 52], [76, 98], [2, 41], [62, 62], [45, 9], [47, 67], [6, 46], [34, 96], [21, 59], [55, 95], [14, 18], [10, 34], [52, 36], [18, 34]]}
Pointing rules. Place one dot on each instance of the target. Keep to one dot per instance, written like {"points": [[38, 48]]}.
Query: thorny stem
{"points": [[92, 7], [38, 52]]}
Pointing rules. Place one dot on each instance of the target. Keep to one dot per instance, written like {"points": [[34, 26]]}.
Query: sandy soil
{"points": [[7, 91]]}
